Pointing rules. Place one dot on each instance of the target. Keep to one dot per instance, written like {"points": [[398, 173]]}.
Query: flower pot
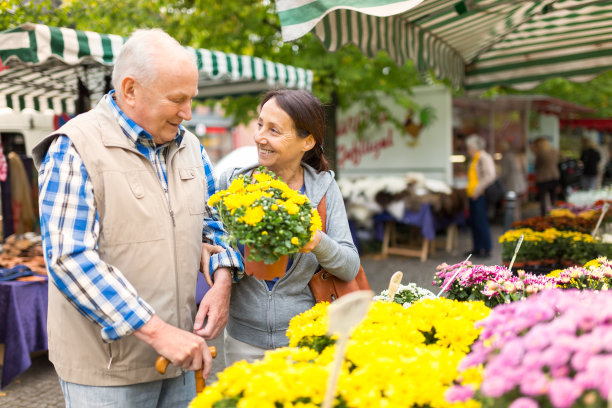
{"points": [[567, 262], [262, 270]]}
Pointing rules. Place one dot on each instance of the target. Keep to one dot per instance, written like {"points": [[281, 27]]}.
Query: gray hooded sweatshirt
{"points": [[259, 316]]}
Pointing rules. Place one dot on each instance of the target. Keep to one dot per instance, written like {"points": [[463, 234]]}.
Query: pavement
{"points": [[39, 386]]}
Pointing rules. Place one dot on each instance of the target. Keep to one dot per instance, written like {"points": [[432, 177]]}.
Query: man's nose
{"points": [[185, 111]]}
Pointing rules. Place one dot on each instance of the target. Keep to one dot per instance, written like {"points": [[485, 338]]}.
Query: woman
{"points": [[481, 174], [546, 169], [289, 138]]}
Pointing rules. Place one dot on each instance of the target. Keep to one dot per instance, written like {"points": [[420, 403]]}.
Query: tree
{"points": [[250, 28]]}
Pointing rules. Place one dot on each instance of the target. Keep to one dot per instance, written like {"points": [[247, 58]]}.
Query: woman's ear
{"points": [[309, 142]]}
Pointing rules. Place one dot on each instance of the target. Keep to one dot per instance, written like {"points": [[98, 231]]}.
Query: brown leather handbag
{"points": [[327, 287]]}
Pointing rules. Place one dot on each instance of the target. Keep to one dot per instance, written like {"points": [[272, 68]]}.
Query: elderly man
{"points": [[123, 192]]}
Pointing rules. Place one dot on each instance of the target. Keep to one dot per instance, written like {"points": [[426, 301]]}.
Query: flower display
{"points": [[559, 222], [491, 284], [406, 294], [552, 243], [595, 275], [551, 350], [263, 213], [396, 357]]}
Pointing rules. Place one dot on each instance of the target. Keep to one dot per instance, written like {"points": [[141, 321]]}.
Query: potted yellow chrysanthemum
{"points": [[268, 217]]}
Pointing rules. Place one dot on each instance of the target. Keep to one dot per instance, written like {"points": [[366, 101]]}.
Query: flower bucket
{"points": [[262, 270]]}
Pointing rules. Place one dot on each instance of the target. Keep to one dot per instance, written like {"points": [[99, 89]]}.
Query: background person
{"points": [[546, 169], [590, 158], [481, 174], [514, 174], [123, 191], [289, 138]]}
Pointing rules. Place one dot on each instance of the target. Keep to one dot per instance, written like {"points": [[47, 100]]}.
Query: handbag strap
{"points": [[322, 209]]}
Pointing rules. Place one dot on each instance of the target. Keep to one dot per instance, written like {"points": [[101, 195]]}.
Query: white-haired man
{"points": [[123, 192]]}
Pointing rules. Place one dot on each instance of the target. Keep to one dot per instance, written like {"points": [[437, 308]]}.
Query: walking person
{"points": [[289, 138], [123, 191], [546, 168], [590, 158], [481, 174]]}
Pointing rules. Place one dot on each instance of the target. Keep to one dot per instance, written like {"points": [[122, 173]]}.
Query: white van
{"points": [[21, 131]]}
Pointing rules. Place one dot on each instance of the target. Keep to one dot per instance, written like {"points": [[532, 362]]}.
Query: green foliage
{"points": [[249, 28], [227, 402], [317, 343], [595, 94]]}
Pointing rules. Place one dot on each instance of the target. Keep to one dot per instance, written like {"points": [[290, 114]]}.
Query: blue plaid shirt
{"points": [[70, 228]]}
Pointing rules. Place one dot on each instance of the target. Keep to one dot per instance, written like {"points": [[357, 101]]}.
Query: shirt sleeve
{"points": [[214, 231], [70, 228]]}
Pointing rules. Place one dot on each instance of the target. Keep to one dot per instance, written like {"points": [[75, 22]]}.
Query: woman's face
{"points": [[279, 147]]}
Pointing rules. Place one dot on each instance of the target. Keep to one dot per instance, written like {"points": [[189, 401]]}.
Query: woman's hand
{"points": [[207, 251], [314, 242]]}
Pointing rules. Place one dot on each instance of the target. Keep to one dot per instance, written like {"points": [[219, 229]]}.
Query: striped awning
{"points": [[42, 67], [475, 43]]}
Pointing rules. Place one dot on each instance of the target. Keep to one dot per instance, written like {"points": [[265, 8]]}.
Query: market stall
{"points": [[62, 69]]}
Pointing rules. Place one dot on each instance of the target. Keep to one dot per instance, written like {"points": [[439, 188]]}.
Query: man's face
{"points": [[161, 107]]}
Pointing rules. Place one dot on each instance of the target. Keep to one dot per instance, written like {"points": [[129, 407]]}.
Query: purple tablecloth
{"points": [[23, 325], [422, 218]]}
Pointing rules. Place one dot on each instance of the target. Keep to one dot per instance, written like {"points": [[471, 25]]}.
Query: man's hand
{"points": [[207, 251], [214, 307], [313, 242], [180, 347]]}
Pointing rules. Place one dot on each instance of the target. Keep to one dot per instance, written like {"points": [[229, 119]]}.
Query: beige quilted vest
{"points": [[153, 242]]}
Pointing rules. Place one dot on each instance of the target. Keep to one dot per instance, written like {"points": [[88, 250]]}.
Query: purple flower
{"points": [[552, 346], [524, 402]]}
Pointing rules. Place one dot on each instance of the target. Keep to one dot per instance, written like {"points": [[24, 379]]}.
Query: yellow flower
{"points": [[291, 208], [295, 241], [315, 221], [253, 215], [264, 233], [247, 201], [262, 177], [299, 199], [214, 199], [233, 202], [237, 186]]}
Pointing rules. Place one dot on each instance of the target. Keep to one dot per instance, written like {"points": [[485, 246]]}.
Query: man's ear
{"points": [[129, 90]]}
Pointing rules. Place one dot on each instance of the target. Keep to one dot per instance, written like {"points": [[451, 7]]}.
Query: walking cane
{"points": [[162, 363]]}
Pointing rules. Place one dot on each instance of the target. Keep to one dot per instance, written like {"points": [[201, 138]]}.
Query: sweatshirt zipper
{"points": [[270, 293]]}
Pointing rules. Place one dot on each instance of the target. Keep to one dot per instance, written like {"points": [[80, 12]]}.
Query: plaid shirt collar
{"points": [[131, 129]]}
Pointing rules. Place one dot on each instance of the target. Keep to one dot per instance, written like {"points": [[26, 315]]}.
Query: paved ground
{"points": [[39, 387]]}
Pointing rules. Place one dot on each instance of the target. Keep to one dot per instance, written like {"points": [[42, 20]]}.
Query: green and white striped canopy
{"points": [[43, 65], [475, 43]]}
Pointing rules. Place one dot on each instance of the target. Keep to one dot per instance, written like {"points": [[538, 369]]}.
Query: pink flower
{"points": [[495, 386], [563, 392], [534, 383], [524, 402], [458, 393]]}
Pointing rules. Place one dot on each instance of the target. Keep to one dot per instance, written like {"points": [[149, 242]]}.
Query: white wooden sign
{"points": [[387, 150]]}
